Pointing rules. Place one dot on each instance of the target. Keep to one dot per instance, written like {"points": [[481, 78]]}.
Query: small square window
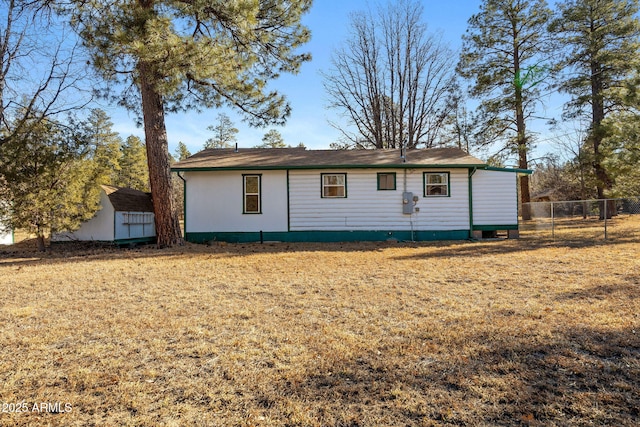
{"points": [[334, 185], [386, 181], [436, 184]]}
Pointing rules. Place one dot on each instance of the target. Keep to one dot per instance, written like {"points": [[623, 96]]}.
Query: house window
{"points": [[252, 198], [334, 185], [387, 181], [436, 184]]}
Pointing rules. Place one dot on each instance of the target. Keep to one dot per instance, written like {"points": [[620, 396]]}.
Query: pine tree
{"points": [[601, 57], [622, 151], [503, 54], [272, 139], [181, 55], [182, 152], [47, 180], [224, 133], [104, 146], [134, 172]]}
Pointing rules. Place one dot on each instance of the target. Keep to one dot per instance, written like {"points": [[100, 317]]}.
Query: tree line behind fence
{"points": [[599, 219]]}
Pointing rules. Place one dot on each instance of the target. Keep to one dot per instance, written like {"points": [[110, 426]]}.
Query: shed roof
{"points": [[128, 199], [300, 158]]}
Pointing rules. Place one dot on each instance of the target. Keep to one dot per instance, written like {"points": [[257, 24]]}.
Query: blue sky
{"points": [[328, 21]]}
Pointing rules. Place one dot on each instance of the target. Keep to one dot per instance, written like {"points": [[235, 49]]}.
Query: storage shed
{"points": [[6, 233], [293, 194], [125, 216], [6, 237]]}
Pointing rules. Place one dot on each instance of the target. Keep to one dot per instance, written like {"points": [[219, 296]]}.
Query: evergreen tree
{"points": [[272, 139], [224, 133], [134, 172], [621, 150], [180, 55], [104, 146], [601, 58], [47, 180], [502, 53], [182, 152]]}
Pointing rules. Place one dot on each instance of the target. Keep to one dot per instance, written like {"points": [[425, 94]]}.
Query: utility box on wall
{"points": [[407, 203]]}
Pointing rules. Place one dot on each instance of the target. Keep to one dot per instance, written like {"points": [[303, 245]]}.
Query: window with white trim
{"points": [[334, 185], [436, 184], [252, 203]]}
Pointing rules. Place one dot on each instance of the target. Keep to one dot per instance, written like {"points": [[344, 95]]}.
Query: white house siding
{"points": [[98, 228], [215, 202], [367, 208], [495, 198]]}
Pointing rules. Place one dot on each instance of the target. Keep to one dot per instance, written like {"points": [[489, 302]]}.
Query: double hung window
{"points": [[334, 185], [436, 184], [252, 187]]}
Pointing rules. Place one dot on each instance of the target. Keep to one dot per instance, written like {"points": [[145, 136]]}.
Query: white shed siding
{"points": [[495, 198], [6, 234], [6, 237], [98, 228], [367, 208], [215, 202]]}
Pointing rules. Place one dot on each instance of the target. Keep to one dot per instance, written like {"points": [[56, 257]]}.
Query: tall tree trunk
{"points": [[603, 181], [521, 138], [166, 218], [523, 162], [40, 243]]}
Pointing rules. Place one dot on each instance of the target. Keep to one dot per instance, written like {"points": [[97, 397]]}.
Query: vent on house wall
{"points": [[137, 218]]}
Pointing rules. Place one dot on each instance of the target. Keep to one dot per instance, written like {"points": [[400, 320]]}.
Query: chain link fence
{"points": [[608, 219]]}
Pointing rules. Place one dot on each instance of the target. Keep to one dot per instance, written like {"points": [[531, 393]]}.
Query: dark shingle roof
{"points": [[285, 158], [128, 199]]}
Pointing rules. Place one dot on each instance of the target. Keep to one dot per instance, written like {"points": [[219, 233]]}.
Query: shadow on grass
{"points": [[502, 247], [25, 253], [629, 286], [578, 377]]}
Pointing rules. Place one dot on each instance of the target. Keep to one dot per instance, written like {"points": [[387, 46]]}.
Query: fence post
{"points": [[605, 219], [553, 223]]}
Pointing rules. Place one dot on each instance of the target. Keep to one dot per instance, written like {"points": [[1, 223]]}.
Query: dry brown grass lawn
{"points": [[529, 332]]}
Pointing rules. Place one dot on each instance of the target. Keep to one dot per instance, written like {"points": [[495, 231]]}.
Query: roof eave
{"points": [[316, 167], [516, 170]]}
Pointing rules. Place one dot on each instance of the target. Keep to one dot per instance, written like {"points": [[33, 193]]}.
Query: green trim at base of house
{"points": [[495, 227], [328, 236]]}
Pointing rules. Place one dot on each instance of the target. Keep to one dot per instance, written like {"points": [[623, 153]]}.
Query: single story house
{"points": [[294, 194], [125, 216]]}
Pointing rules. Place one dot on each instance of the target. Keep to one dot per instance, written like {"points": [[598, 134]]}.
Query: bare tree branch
{"points": [[39, 73], [392, 79]]}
